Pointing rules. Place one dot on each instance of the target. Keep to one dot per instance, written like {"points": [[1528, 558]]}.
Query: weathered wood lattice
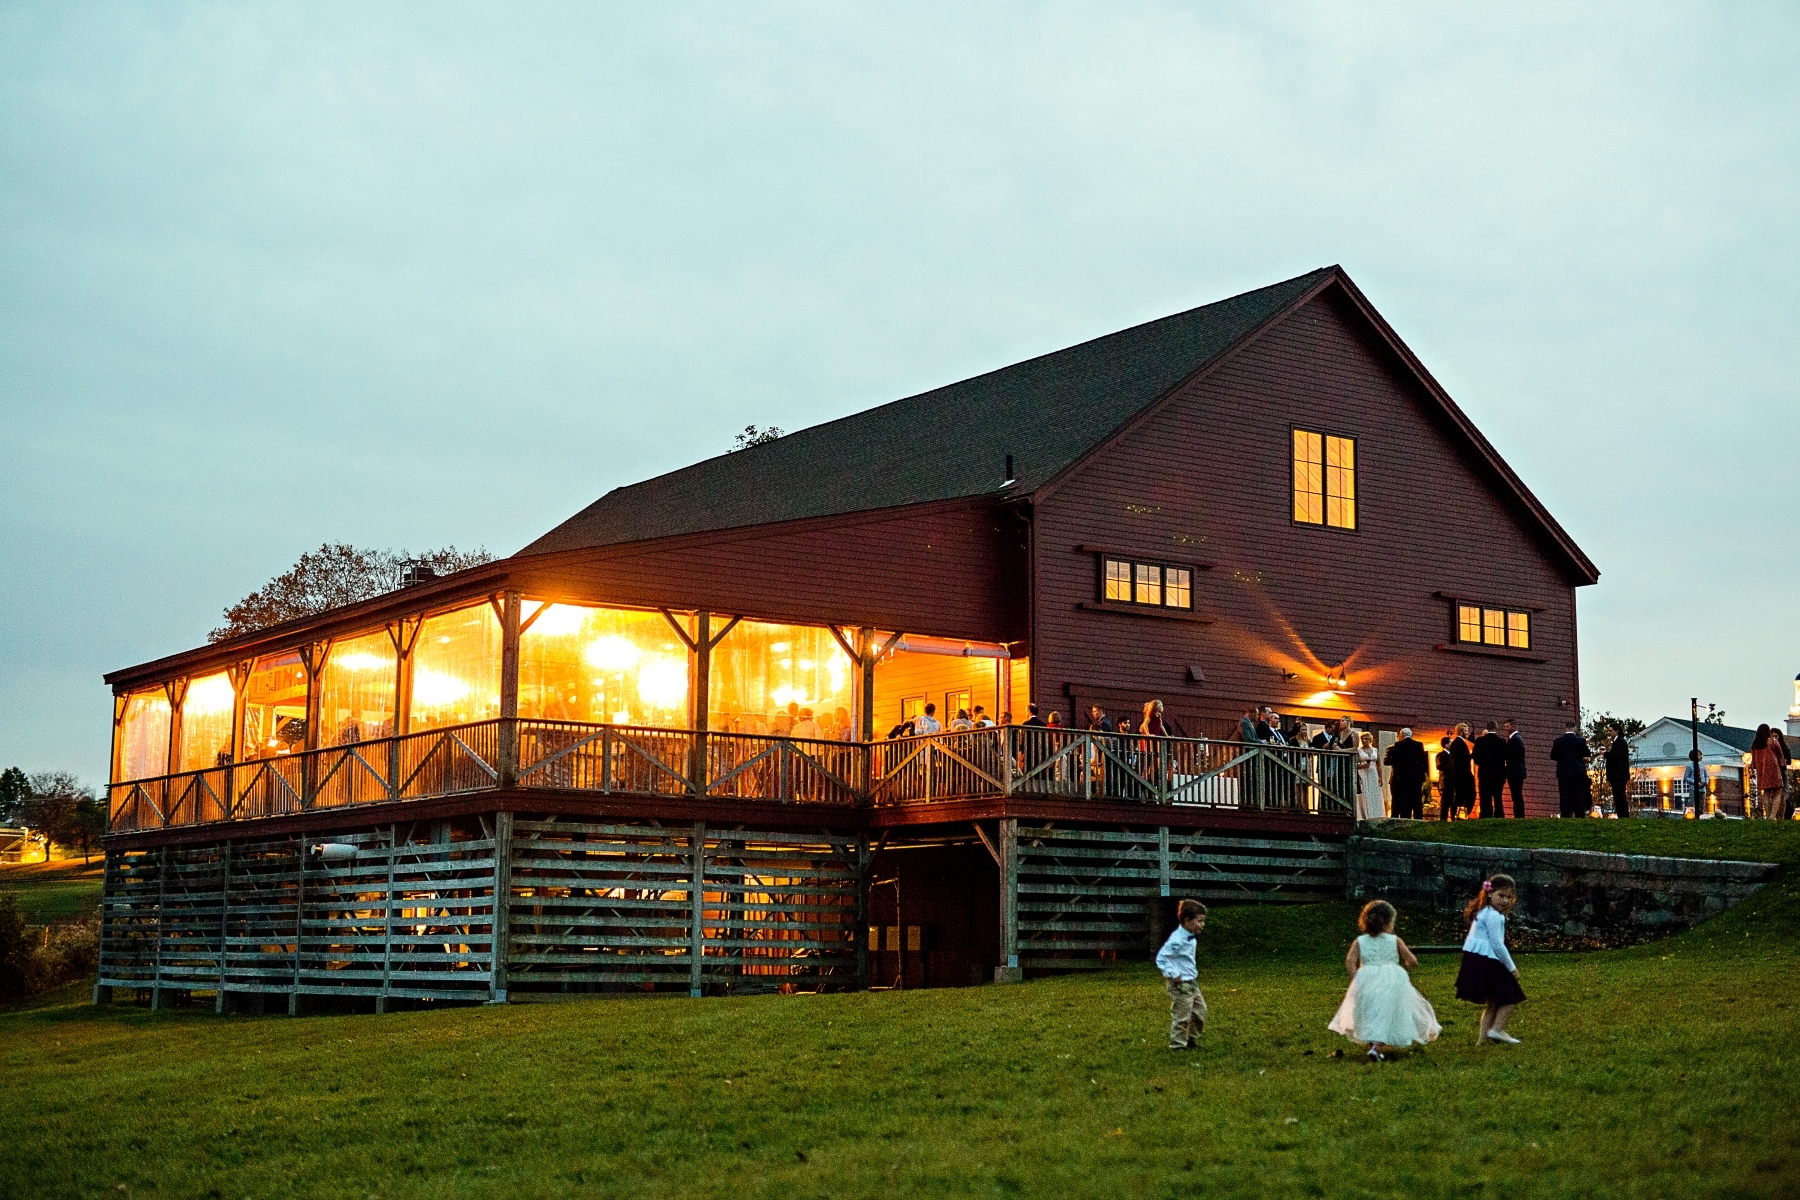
{"points": [[1090, 897], [609, 907]]}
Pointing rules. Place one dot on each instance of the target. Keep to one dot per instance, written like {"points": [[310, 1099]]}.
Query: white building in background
{"points": [[1660, 776], [1793, 721]]}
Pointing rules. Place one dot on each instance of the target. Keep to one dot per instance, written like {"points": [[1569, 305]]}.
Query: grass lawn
{"points": [[1749, 841], [1662, 1070], [63, 890]]}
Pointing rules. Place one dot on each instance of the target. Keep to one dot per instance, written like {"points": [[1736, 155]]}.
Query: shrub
{"points": [[32, 961]]}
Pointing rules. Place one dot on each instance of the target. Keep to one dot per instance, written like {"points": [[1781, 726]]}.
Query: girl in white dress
{"points": [[1382, 1008], [1370, 804]]}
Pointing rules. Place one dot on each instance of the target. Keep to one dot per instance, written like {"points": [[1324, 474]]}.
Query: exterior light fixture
{"points": [[1287, 674], [1338, 680]]}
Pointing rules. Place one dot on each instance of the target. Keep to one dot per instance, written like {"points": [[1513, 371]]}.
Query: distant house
{"points": [[1659, 765]]}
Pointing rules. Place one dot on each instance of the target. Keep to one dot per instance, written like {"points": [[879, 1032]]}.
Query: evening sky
{"points": [[412, 275]]}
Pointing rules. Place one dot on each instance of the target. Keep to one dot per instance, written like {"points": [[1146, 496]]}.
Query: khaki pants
{"points": [[1187, 1010]]}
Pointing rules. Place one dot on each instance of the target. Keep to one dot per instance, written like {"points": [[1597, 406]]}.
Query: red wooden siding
{"points": [[1208, 477]]}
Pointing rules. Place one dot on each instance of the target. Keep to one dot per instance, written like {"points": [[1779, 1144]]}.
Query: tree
{"points": [[63, 809], [331, 576], [14, 787], [1597, 729], [752, 436], [1714, 715]]}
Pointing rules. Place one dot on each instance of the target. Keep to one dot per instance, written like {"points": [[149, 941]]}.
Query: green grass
{"points": [[64, 890], [1664, 1070], [1749, 841]]}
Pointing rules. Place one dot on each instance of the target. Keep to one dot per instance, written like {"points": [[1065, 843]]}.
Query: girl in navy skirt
{"points": [[1488, 976]]}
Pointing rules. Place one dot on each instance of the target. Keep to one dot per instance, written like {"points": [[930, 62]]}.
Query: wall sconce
{"points": [[1339, 682], [1564, 702], [1287, 674]]}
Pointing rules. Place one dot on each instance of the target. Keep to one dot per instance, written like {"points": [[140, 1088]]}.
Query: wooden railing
{"points": [[608, 759]]}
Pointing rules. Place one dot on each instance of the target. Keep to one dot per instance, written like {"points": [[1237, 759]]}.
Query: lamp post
{"points": [[1694, 757]]}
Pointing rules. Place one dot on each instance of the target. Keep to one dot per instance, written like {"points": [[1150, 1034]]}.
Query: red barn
{"points": [[681, 740]]}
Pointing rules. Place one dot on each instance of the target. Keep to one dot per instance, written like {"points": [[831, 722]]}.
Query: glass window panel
{"points": [[1518, 630], [1149, 584], [274, 707], [1178, 587], [1493, 626], [144, 739], [603, 665], [206, 723], [957, 706], [1309, 490], [456, 669], [1118, 580], [1340, 482], [1468, 622], [766, 677], [356, 690]]}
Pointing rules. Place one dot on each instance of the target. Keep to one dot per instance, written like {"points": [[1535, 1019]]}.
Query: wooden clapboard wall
{"points": [[1090, 897], [612, 907], [403, 918]]}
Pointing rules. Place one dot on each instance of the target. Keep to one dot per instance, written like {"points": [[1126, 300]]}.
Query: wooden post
{"points": [[509, 690], [701, 702], [1162, 861], [299, 923], [502, 947], [103, 993], [162, 884], [387, 921], [177, 694], [240, 680], [219, 1003], [1009, 971], [866, 659], [863, 859], [696, 907]]}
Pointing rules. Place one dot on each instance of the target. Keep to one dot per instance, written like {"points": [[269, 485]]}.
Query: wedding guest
{"points": [[1570, 753], [1515, 768], [1490, 757], [1618, 771], [1462, 774], [1765, 760], [1370, 806], [1408, 771]]}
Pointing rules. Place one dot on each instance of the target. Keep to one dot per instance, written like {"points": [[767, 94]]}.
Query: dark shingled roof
{"points": [[1731, 735], [940, 445]]}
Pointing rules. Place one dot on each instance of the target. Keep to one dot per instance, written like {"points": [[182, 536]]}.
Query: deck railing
{"points": [[524, 753]]}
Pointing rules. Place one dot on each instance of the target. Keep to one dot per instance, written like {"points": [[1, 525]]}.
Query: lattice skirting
{"points": [[1092, 897]]}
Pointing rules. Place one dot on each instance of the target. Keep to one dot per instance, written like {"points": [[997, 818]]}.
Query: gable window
{"points": [[1324, 479], [1153, 585], [1477, 624]]}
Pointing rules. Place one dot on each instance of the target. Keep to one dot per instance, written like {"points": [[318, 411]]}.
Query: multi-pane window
{"points": [[1154, 585], [1324, 479], [1479, 625]]}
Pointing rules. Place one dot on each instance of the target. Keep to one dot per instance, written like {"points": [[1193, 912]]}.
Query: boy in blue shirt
{"points": [[1187, 1007]]}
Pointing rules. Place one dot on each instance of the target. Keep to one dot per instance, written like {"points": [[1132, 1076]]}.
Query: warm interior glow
{"points": [[206, 723], [559, 620], [765, 677], [144, 736], [274, 707], [604, 664], [456, 669], [356, 691]]}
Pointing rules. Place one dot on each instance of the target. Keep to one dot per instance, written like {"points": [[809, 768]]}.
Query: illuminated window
{"points": [[955, 703], [1149, 584], [1178, 587], [1118, 580], [144, 738], [1468, 622], [911, 707], [603, 665], [206, 723], [456, 669], [356, 691], [1309, 478], [1324, 479], [274, 707], [765, 678], [1477, 624]]}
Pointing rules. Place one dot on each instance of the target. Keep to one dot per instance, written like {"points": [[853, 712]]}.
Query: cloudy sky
{"points": [[412, 275]]}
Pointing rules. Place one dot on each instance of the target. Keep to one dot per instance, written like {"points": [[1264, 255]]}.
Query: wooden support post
{"points": [[1009, 971], [863, 859], [502, 947], [697, 906], [509, 690], [387, 920], [865, 693], [220, 1004], [109, 876], [1162, 861], [299, 928], [702, 699], [162, 877]]}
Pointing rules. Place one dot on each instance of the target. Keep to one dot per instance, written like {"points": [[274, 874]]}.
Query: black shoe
{"points": [[1376, 1055]]}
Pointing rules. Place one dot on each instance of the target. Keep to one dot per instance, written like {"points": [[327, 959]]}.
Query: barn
{"points": [[685, 741]]}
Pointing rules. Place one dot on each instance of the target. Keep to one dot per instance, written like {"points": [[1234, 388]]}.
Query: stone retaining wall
{"points": [[1574, 892]]}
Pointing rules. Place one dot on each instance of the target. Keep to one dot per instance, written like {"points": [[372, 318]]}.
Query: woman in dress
{"points": [[1766, 760], [1382, 1007], [1370, 805]]}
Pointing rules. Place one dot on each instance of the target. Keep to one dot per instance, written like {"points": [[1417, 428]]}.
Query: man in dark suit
{"points": [[1570, 752], [1446, 789], [1410, 770], [1462, 774], [1618, 771], [1490, 759], [1515, 768]]}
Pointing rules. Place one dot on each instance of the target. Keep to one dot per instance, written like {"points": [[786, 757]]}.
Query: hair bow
{"points": [[1487, 885]]}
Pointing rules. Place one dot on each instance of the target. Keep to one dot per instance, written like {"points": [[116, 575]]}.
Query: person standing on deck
{"points": [[1570, 752], [1408, 772], [1515, 768], [1490, 757], [927, 722]]}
